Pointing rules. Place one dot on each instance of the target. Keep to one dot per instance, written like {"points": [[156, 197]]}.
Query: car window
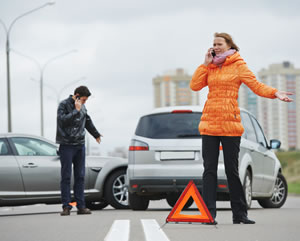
{"points": [[3, 148], [169, 126], [33, 147], [259, 134], [249, 129]]}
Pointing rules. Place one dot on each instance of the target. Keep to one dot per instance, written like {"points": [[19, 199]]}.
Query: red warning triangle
{"points": [[190, 191]]}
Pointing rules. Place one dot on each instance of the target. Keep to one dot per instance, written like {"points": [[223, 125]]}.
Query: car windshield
{"points": [[169, 126]]}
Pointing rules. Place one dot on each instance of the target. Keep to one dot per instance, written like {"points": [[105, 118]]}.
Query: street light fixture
{"points": [[7, 31], [59, 92], [68, 85], [41, 69]]}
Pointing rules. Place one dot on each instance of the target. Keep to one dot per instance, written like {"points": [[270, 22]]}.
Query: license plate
{"points": [[177, 155]]}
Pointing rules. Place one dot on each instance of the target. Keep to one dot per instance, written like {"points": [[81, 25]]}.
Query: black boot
{"points": [[244, 220], [65, 212], [83, 211]]}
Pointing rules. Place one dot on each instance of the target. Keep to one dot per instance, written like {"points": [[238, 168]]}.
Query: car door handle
{"points": [[96, 169], [251, 148], [30, 165]]}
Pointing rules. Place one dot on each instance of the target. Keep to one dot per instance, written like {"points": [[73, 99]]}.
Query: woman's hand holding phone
{"points": [[208, 57]]}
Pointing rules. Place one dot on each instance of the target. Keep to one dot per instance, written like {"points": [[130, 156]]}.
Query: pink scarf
{"points": [[220, 58]]}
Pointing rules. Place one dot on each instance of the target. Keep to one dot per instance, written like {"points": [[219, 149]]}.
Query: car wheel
{"points": [[138, 203], [97, 205], [248, 188], [116, 192], [173, 197], [279, 194]]}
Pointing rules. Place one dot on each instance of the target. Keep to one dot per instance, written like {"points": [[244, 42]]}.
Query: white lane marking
{"points": [[119, 231], [152, 231]]}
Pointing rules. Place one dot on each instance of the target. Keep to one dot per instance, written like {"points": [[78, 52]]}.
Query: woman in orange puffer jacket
{"points": [[223, 71]]}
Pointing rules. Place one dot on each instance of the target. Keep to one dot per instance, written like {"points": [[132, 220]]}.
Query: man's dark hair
{"points": [[82, 91]]}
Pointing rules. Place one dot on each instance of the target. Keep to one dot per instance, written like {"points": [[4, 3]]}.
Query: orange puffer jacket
{"points": [[221, 114]]}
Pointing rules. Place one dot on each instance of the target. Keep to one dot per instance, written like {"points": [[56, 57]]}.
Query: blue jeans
{"points": [[72, 154]]}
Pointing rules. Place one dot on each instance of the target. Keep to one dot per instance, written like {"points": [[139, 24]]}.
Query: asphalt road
{"points": [[43, 223]]}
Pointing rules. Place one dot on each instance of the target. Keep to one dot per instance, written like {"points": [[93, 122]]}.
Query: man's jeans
{"points": [[72, 154]]}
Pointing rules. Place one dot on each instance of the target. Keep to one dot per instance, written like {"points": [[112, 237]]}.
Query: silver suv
{"points": [[165, 154]]}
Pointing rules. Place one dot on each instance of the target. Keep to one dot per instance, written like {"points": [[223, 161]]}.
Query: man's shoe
{"points": [[84, 211], [243, 220], [65, 212]]}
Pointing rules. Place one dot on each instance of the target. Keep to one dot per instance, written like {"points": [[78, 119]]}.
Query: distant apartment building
{"points": [[247, 99], [279, 120], [173, 88]]}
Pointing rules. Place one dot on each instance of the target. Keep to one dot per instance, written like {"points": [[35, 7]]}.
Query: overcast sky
{"points": [[122, 45]]}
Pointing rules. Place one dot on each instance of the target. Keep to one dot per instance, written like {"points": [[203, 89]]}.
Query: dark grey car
{"points": [[30, 173]]}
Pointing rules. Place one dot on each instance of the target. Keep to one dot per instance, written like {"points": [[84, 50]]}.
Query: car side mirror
{"points": [[57, 152], [275, 144]]}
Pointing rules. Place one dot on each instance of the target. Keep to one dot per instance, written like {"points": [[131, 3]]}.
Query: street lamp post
{"points": [[7, 31], [42, 70], [42, 85]]}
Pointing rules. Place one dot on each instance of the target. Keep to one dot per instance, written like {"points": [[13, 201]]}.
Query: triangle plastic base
{"points": [[190, 191]]}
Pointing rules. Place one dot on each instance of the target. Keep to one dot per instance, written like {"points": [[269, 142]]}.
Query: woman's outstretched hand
{"points": [[283, 95]]}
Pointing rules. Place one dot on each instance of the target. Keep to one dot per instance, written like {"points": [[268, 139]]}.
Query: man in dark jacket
{"points": [[72, 120]]}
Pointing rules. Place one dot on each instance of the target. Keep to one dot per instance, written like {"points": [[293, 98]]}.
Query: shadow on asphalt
{"points": [[116, 210], [190, 209], [27, 214]]}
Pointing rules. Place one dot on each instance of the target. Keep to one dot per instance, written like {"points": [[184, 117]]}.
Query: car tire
{"points": [[97, 205], [173, 198], [279, 194], [138, 203], [248, 188], [116, 192]]}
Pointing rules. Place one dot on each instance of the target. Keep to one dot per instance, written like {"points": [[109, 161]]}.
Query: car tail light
{"points": [[222, 186], [138, 146], [182, 111]]}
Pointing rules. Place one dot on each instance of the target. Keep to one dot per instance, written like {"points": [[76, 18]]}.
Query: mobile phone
{"points": [[213, 53], [78, 97]]}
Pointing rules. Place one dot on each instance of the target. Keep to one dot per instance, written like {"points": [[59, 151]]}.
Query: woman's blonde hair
{"points": [[228, 40]]}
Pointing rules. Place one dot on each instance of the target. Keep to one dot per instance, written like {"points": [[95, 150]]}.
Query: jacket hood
{"points": [[236, 57]]}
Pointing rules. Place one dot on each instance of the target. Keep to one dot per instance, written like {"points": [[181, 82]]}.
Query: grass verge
{"points": [[294, 187], [290, 162]]}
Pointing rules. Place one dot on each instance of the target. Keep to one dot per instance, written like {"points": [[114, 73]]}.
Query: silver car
{"points": [[30, 173], [165, 154]]}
